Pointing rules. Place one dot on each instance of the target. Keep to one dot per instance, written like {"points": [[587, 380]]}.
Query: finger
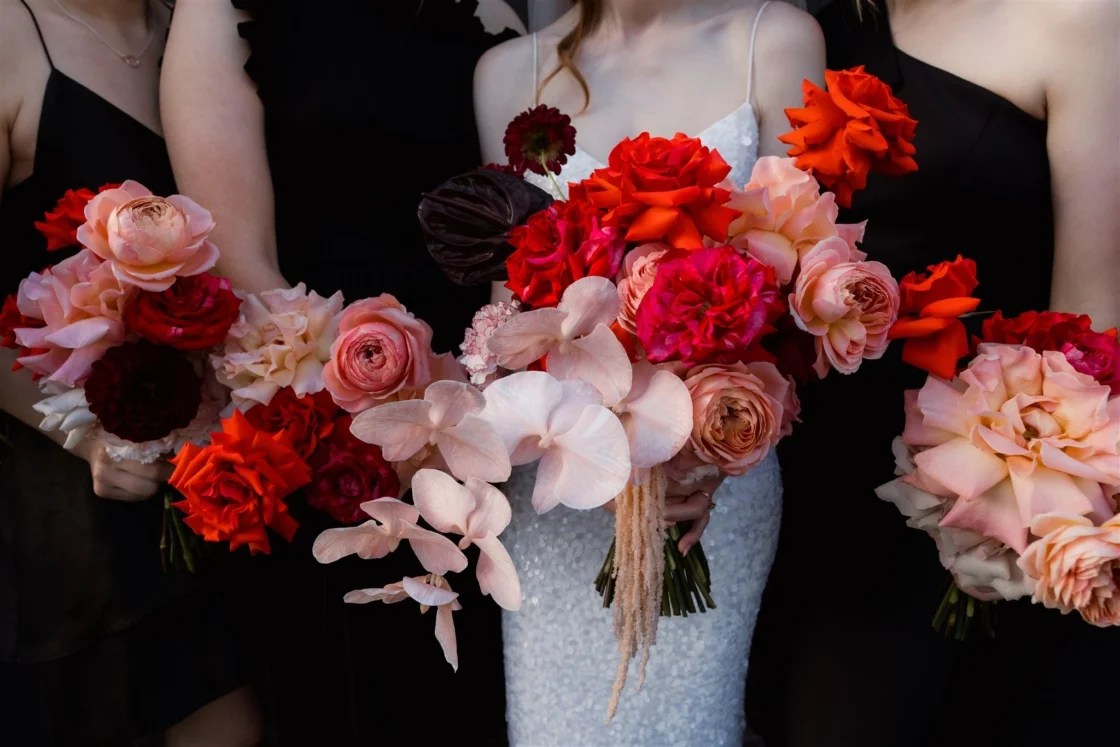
{"points": [[689, 509], [130, 487], [692, 537], [156, 471]]}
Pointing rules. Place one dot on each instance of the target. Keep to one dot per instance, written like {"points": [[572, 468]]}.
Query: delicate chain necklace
{"points": [[132, 60]]}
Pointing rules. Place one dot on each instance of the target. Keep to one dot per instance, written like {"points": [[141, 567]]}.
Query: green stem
{"points": [[552, 178]]}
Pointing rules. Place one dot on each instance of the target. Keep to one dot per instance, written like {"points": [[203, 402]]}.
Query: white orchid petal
{"points": [[588, 302], [586, 466], [518, 407], [368, 541], [527, 337], [400, 428], [496, 573], [491, 514], [599, 359], [451, 401], [473, 449], [435, 552], [442, 501], [658, 420]]}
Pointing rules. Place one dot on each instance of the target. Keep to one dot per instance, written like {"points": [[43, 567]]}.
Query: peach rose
{"points": [[148, 240], [1077, 566], [381, 349], [638, 271], [848, 306], [784, 216], [739, 412]]}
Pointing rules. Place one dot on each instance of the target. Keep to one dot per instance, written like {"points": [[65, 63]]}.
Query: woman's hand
{"points": [[123, 480], [688, 504]]}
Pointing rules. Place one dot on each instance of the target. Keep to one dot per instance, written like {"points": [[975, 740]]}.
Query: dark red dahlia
{"points": [[141, 392], [540, 140], [346, 472]]}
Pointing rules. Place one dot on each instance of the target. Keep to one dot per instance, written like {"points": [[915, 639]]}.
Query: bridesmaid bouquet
{"points": [[117, 333], [1011, 463]]}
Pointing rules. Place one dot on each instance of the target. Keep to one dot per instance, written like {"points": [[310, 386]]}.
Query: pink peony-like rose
{"points": [[480, 362], [639, 270], [739, 413], [146, 239], [847, 306], [1015, 436], [282, 338], [79, 300], [381, 349], [784, 216], [1077, 566]]}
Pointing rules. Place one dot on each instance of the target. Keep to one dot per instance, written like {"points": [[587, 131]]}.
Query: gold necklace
{"points": [[132, 60]]}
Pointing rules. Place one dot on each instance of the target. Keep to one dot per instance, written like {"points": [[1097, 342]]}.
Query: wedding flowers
{"points": [[1077, 566], [540, 140], [346, 472], [305, 420], [480, 362], [928, 315], [60, 225], [193, 314]]}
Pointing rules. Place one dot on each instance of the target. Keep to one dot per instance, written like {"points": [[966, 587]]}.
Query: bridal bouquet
{"points": [[1011, 463], [117, 334]]}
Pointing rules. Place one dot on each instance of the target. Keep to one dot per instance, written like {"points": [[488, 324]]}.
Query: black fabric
{"points": [[80, 576], [844, 653], [367, 105]]}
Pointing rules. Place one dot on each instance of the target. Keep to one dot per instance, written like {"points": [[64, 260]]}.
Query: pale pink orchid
{"points": [[574, 338], [1015, 436], [447, 419], [479, 512], [582, 446], [79, 300], [430, 591], [657, 415], [392, 521]]}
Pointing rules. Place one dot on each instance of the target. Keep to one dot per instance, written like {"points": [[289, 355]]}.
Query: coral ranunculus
{"points": [[855, 127], [1077, 566], [141, 392], [346, 472], [381, 349], [146, 239], [928, 316], [305, 420], [60, 226], [557, 247], [657, 189], [234, 489], [193, 314], [540, 140], [707, 306]]}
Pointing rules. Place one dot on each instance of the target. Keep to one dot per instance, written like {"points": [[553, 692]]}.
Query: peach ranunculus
{"points": [[282, 338], [784, 215], [79, 301], [848, 306], [638, 272], [739, 412], [148, 240], [381, 349], [1077, 566], [1016, 435]]}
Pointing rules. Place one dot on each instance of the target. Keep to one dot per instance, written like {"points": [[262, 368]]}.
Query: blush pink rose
{"points": [[1077, 566], [638, 272], [381, 349], [148, 240], [847, 306], [739, 412], [784, 215]]}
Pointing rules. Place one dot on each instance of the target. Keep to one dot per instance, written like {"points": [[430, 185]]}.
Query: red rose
{"points": [[346, 472], [657, 189], [60, 226], [234, 489], [141, 392], [855, 127], [305, 420], [1095, 354], [558, 246], [195, 313], [708, 306], [930, 305], [10, 320]]}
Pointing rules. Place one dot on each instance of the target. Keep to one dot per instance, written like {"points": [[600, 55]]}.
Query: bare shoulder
{"points": [[504, 76], [785, 28], [1082, 40], [21, 57]]}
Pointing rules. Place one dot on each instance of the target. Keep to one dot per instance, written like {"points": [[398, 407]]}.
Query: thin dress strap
{"points": [[38, 31], [750, 63], [536, 73]]}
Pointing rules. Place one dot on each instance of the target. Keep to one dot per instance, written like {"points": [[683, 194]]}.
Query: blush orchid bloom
{"points": [[657, 415], [447, 419], [479, 512], [574, 338], [582, 446], [430, 591], [392, 521]]}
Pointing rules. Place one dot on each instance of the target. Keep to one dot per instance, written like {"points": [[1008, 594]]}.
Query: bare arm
{"points": [[1083, 107], [790, 49], [214, 123]]}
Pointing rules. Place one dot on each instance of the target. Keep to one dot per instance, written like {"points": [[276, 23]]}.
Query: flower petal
{"points": [[473, 449], [443, 502], [962, 468], [1040, 490], [586, 466], [599, 359], [427, 594], [518, 407], [435, 552], [589, 302], [527, 337], [400, 428], [993, 514], [491, 514], [657, 416], [392, 513], [390, 594], [368, 541], [452, 401], [445, 634], [497, 575]]}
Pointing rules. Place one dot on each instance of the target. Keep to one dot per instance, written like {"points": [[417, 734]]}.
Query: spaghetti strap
{"points": [[38, 31], [536, 73], [750, 63]]}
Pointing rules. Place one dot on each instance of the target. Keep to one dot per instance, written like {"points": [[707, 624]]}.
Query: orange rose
{"points": [[935, 338], [855, 127], [1077, 566], [658, 189], [234, 489]]}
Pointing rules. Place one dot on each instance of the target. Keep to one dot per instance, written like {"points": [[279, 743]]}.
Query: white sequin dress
{"points": [[560, 650]]}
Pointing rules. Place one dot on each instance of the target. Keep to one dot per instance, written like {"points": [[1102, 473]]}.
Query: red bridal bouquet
{"points": [[1011, 462], [853, 126], [117, 334]]}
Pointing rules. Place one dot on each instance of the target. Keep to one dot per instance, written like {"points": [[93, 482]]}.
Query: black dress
{"points": [[367, 104], [98, 646], [844, 653]]}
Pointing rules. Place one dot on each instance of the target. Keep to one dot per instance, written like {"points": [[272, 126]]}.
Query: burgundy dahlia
{"points": [[346, 472], [540, 140], [141, 392]]}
